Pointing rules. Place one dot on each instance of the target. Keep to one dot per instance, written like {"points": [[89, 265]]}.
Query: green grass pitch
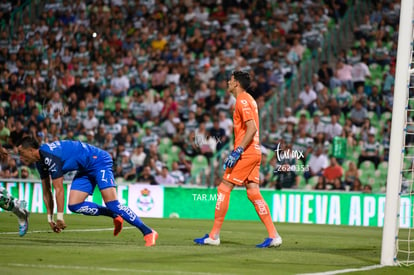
{"points": [[87, 246]]}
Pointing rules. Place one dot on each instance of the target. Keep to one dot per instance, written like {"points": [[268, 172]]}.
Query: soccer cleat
{"points": [[151, 238], [24, 223], [270, 242], [118, 221], [207, 240]]}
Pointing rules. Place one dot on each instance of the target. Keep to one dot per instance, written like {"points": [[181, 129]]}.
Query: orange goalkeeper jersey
{"points": [[245, 110]]}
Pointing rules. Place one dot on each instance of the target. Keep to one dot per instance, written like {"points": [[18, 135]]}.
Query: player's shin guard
{"points": [[91, 209], [128, 215], [262, 210], [222, 205]]}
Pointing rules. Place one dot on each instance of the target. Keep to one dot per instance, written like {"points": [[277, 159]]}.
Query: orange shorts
{"points": [[247, 169]]}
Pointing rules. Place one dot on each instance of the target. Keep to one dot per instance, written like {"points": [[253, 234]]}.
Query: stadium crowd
{"points": [[146, 81]]}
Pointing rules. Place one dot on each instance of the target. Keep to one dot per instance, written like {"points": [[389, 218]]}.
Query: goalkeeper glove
{"points": [[233, 158]]}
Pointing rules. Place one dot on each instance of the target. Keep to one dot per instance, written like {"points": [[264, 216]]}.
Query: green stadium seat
{"points": [[385, 116], [109, 103], [199, 163], [174, 152], [368, 167], [165, 145]]}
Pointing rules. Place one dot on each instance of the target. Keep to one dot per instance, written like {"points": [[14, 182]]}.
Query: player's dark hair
{"points": [[243, 78], [29, 142]]}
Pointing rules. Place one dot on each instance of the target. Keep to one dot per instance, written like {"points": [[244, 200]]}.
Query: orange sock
{"points": [[222, 204], [262, 210]]}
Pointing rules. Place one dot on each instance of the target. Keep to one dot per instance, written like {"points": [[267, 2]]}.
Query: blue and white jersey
{"points": [[60, 157]]}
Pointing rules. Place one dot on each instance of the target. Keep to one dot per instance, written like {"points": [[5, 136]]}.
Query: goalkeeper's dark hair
{"points": [[29, 142], [243, 78]]}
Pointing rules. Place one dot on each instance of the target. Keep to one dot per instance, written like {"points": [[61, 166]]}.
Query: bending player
{"points": [[243, 164], [94, 167]]}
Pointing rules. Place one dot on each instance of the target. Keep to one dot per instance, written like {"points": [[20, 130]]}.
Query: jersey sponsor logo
{"points": [[145, 201], [128, 211], [244, 102], [87, 210]]}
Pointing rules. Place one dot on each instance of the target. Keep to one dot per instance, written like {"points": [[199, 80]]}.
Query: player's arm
{"points": [[52, 168], [48, 200], [251, 130], [60, 201], [47, 196]]}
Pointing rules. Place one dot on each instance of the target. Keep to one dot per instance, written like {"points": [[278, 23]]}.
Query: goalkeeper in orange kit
{"points": [[243, 164]]}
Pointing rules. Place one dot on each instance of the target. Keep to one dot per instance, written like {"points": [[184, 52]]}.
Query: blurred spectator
{"points": [[317, 85], [125, 168], [380, 54], [149, 138], [146, 177], [287, 116], [344, 99], [91, 122], [342, 75], [9, 169], [16, 134], [365, 30], [358, 114], [351, 174], [323, 99], [177, 174], [307, 99], [24, 173], [320, 184], [370, 151], [318, 161], [272, 137], [367, 189], [360, 72], [333, 129], [168, 127], [366, 130], [325, 74], [333, 175], [357, 186], [164, 178], [374, 101], [315, 126], [388, 100]]}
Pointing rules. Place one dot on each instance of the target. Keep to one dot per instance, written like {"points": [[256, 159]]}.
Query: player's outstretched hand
{"points": [[54, 227], [61, 224], [233, 158]]}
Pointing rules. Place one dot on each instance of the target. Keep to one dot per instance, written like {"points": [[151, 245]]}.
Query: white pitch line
{"points": [[365, 268], [111, 269], [68, 230]]}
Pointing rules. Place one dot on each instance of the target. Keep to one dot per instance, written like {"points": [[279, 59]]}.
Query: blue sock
{"points": [[128, 215], [91, 209]]}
